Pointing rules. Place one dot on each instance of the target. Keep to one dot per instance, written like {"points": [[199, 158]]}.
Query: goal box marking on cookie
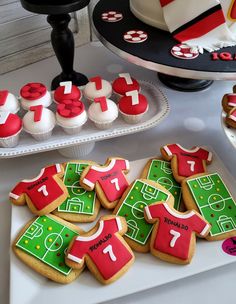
{"points": [[132, 208], [47, 240], [160, 172], [215, 202], [79, 201]]}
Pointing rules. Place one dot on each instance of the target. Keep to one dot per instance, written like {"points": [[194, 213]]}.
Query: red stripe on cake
{"points": [[165, 2]]}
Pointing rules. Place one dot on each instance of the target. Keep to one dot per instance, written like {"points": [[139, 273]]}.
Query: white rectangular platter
{"points": [[28, 287]]}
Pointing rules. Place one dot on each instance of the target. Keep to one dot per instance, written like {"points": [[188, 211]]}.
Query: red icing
{"points": [[103, 103], [226, 56], [215, 56], [12, 125], [33, 91], [98, 248], [3, 97], [233, 10], [120, 86], [39, 186], [233, 113], [174, 231], [38, 110], [189, 162], [112, 180], [231, 100], [70, 108], [98, 82], [60, 96], [125, 105]]}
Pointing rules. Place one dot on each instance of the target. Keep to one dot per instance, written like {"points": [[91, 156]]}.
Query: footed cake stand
{"points": [[155, 52]]}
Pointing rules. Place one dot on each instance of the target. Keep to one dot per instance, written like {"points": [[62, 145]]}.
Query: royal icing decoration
{"points": [[135, 36], [224, 56], [79, 201], [160, 171], [174, 232], [232, 11], [139, 196], [231, 100], [67, 86], [232, 115], [214, 202], [110, 177], [98, 82], [38, 110], [190, 162], [103, 103], [134, 97], [47, 240], [70, 109], [42, 190], [127, 78], [104, 248], [3, 117], [112, 16], [3, 97], [183, 51], [33, 91]]}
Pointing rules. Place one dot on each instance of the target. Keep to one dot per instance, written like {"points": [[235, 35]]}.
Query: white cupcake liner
{"points": [[103, 125], [77, 152], [10, 141], [72, 130], [132, 119], [40, 136]]}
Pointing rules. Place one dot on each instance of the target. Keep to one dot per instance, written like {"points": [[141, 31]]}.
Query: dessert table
{"points": [[194, 119]]}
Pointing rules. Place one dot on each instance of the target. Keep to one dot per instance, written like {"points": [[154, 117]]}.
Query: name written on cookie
{"points": [[43, 180], [100, 242], [175, 223], [107, 176]]}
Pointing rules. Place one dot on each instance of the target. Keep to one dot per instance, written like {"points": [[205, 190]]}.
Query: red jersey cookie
{"points": [[230, 118], [173, 237], [43, 193], [185, 163], [229, 102], [104, 251], [109, 180]]}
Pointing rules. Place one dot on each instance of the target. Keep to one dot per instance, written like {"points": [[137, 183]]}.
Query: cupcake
{"points": [[133, 106], [71, 116], [67, 91], [103, 112], [34, 94], [97, 87], [39, 122], [124, 84], [8, 102], [10, 128]]}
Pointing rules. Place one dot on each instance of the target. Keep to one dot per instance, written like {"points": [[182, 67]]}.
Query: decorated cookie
{"points": [[80, 205], [42, 194], [173, 237], [102, 249], [229, 102], [96, 88], [140, 194], [42, 245], [34, 94], [184, 162], [208, 194], [230, 118], [67, 91], [160, 171], [10, 129], [8, 102], [123, 84], [109, 180]]}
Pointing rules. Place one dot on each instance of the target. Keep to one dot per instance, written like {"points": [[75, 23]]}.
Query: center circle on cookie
{"points": [[166, 182], [53, 242], [216, 202], [137, 209]]}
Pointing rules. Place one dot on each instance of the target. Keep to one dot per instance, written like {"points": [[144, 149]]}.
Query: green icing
{"points": [[160, 171], [132, 208], [215, 202], [47, 240], [79, 201]]}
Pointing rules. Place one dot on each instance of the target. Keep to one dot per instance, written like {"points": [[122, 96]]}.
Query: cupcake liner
{"points": [[72, 130], [103, 125], [42, 136], [133, 119], [10, 141], [76, 152]]}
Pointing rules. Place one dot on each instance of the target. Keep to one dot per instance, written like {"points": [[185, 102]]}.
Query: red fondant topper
{"points": [[70, 108], [98, 82], [60, 96], [38, 110], [10, 124], [103, 103], [32, 91], [3, 97]]}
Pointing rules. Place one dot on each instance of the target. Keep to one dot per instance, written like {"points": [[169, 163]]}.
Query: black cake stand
{"points": [[154, 53]]}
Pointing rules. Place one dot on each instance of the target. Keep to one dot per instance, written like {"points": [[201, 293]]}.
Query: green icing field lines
{"points": [[160, 172], [47, 240], [132, 208], [79, 201], [214, 202]]}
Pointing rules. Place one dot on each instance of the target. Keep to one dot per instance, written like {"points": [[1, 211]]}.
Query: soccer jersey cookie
{"points": [[230, 118], [102, 249], [140, 193], [229, 102], [109, 181], [173, 237], [208, 194], [42, 194], [184, 162], [80, 205], [42, 244]]}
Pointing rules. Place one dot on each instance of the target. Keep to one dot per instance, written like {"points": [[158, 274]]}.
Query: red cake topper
{"points": [[60, 94], [103, 103], [3, 97], [70, 108], [98, 82], [112, 16], [32, 91], [38, 110], [135, 36]]}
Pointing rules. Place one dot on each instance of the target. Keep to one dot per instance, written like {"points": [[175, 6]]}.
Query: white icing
{"points": [[44, 101], [4, 117], [11, 105], [90, 91], [76, 121], [96, 115], [67, 86]]}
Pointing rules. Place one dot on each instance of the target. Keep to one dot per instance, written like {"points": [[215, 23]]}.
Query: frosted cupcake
{"points": [[133, 106], [67, 91], [10, 128], [103, 112], [71, 116], [97, 87], [123, 84], [34, 94], [39, 122], [8, 102]]}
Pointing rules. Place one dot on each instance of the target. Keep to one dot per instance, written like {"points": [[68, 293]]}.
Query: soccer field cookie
{"points": [[42, 244], [109, 180], [42, 194], [140, 193], [173, 237], [80, 205], [208, 194], [102, 249], [184, 162]]}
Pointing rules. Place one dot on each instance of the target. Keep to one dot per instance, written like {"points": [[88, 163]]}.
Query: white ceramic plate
{"points": [[28, 287]]}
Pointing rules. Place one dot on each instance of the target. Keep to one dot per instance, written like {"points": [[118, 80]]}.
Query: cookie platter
{"points": [[147, 271], [158, 110]]}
